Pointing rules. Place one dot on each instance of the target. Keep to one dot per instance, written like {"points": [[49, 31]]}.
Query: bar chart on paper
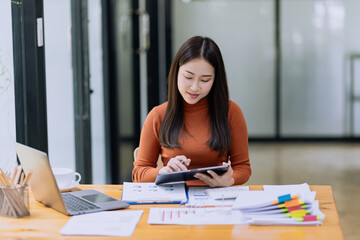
{"points": [[195, 216]]}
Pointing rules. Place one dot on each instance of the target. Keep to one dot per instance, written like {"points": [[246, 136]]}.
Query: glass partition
{"points": [[125, 88], [59, 83], [59, 80], [97, 96], [318, 39], [244, 31], [7, 104]]}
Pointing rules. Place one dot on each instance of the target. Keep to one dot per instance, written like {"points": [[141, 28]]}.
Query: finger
{"points": [[176, 165], [200, 176], [187, 161], [205, 178], [213, 174], [181, 166], [184, 160], [165, 169], [181, 162], [229, 172]]}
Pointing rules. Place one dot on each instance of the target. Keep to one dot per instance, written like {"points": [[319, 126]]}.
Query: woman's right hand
{"points": [[178, 163]]}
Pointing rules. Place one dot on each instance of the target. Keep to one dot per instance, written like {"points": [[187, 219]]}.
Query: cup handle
{"points": [[78, 176]]}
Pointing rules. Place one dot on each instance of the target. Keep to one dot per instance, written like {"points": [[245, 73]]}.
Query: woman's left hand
{"points": [[224, 180]]}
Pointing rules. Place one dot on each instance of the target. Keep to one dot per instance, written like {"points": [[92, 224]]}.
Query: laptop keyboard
{"points": [[76, 204]]}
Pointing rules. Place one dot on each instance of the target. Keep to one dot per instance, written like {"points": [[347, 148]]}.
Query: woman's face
{"points": [[195, 79]]}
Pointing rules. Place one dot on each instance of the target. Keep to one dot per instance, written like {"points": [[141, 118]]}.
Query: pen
{"points": [[13, 173], [159, 200], [308, 218], [150, 201], [27, 178], [17, 175]]}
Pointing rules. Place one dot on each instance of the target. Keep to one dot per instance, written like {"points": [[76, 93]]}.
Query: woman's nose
{"points": [[195, 85]]}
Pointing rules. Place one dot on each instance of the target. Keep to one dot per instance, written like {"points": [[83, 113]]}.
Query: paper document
{"points": [[264, 199], [225, 192], [195, 216], [279, 221], [108, 223], [304, 187], [142, 193], [199, 196]]}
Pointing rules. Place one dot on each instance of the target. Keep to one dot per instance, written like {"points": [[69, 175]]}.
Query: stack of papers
{"points": [[280, 205], [276, 205]]}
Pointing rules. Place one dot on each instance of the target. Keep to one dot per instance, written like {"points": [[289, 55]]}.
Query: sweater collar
{"points": [[202, 104]]}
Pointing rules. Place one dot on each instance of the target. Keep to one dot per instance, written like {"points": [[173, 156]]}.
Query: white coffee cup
{"points": [[65, 177]]}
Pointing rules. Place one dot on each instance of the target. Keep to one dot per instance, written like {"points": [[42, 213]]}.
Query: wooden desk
{"points": [[45, 223]]}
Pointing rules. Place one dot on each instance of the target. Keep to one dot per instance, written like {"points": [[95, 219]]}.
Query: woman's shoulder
{"points": [[158, 112], [155, 117], [160, 108], [233, 106], [235, 111]]}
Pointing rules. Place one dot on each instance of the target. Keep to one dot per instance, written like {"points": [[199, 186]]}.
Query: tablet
{"points": [[188, 175]]}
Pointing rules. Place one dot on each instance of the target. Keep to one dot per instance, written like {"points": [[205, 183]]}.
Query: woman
{"points": [[198, 126]]}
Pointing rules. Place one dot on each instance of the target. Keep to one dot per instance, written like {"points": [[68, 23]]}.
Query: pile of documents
{"points": [[280, 205], [275, 205]]}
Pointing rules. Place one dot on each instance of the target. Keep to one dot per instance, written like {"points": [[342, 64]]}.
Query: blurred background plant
{"points": [[5, 77]]}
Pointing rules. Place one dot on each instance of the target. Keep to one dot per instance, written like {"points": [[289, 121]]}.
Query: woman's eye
{"points": [[205, 81], [188, 77]]}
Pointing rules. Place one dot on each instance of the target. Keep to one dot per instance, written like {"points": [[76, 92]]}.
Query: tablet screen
{"points": [[188, 175]]}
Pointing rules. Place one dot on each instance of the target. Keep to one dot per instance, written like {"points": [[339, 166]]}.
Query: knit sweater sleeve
{"points": [[239, 151], [149, 147]]}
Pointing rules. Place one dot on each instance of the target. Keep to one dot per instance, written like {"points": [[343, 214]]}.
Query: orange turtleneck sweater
{"points": [[193, 145]]}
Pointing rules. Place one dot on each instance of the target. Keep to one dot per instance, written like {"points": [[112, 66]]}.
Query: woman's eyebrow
{"points": [[201, 75]]}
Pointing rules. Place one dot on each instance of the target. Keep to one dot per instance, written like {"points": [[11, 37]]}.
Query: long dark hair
{"points": [[218, 98]]}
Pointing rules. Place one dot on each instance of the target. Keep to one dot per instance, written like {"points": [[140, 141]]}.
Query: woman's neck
{"points": [[202, 104]]}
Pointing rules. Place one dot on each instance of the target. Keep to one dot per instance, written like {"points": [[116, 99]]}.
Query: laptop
{"points": [[45, 189]]}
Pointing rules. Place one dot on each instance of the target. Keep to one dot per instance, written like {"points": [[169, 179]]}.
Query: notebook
{"points": [[44, 187]]}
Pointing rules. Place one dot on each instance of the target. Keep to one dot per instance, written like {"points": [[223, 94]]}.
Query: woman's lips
{"points": [[193, 95]]}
